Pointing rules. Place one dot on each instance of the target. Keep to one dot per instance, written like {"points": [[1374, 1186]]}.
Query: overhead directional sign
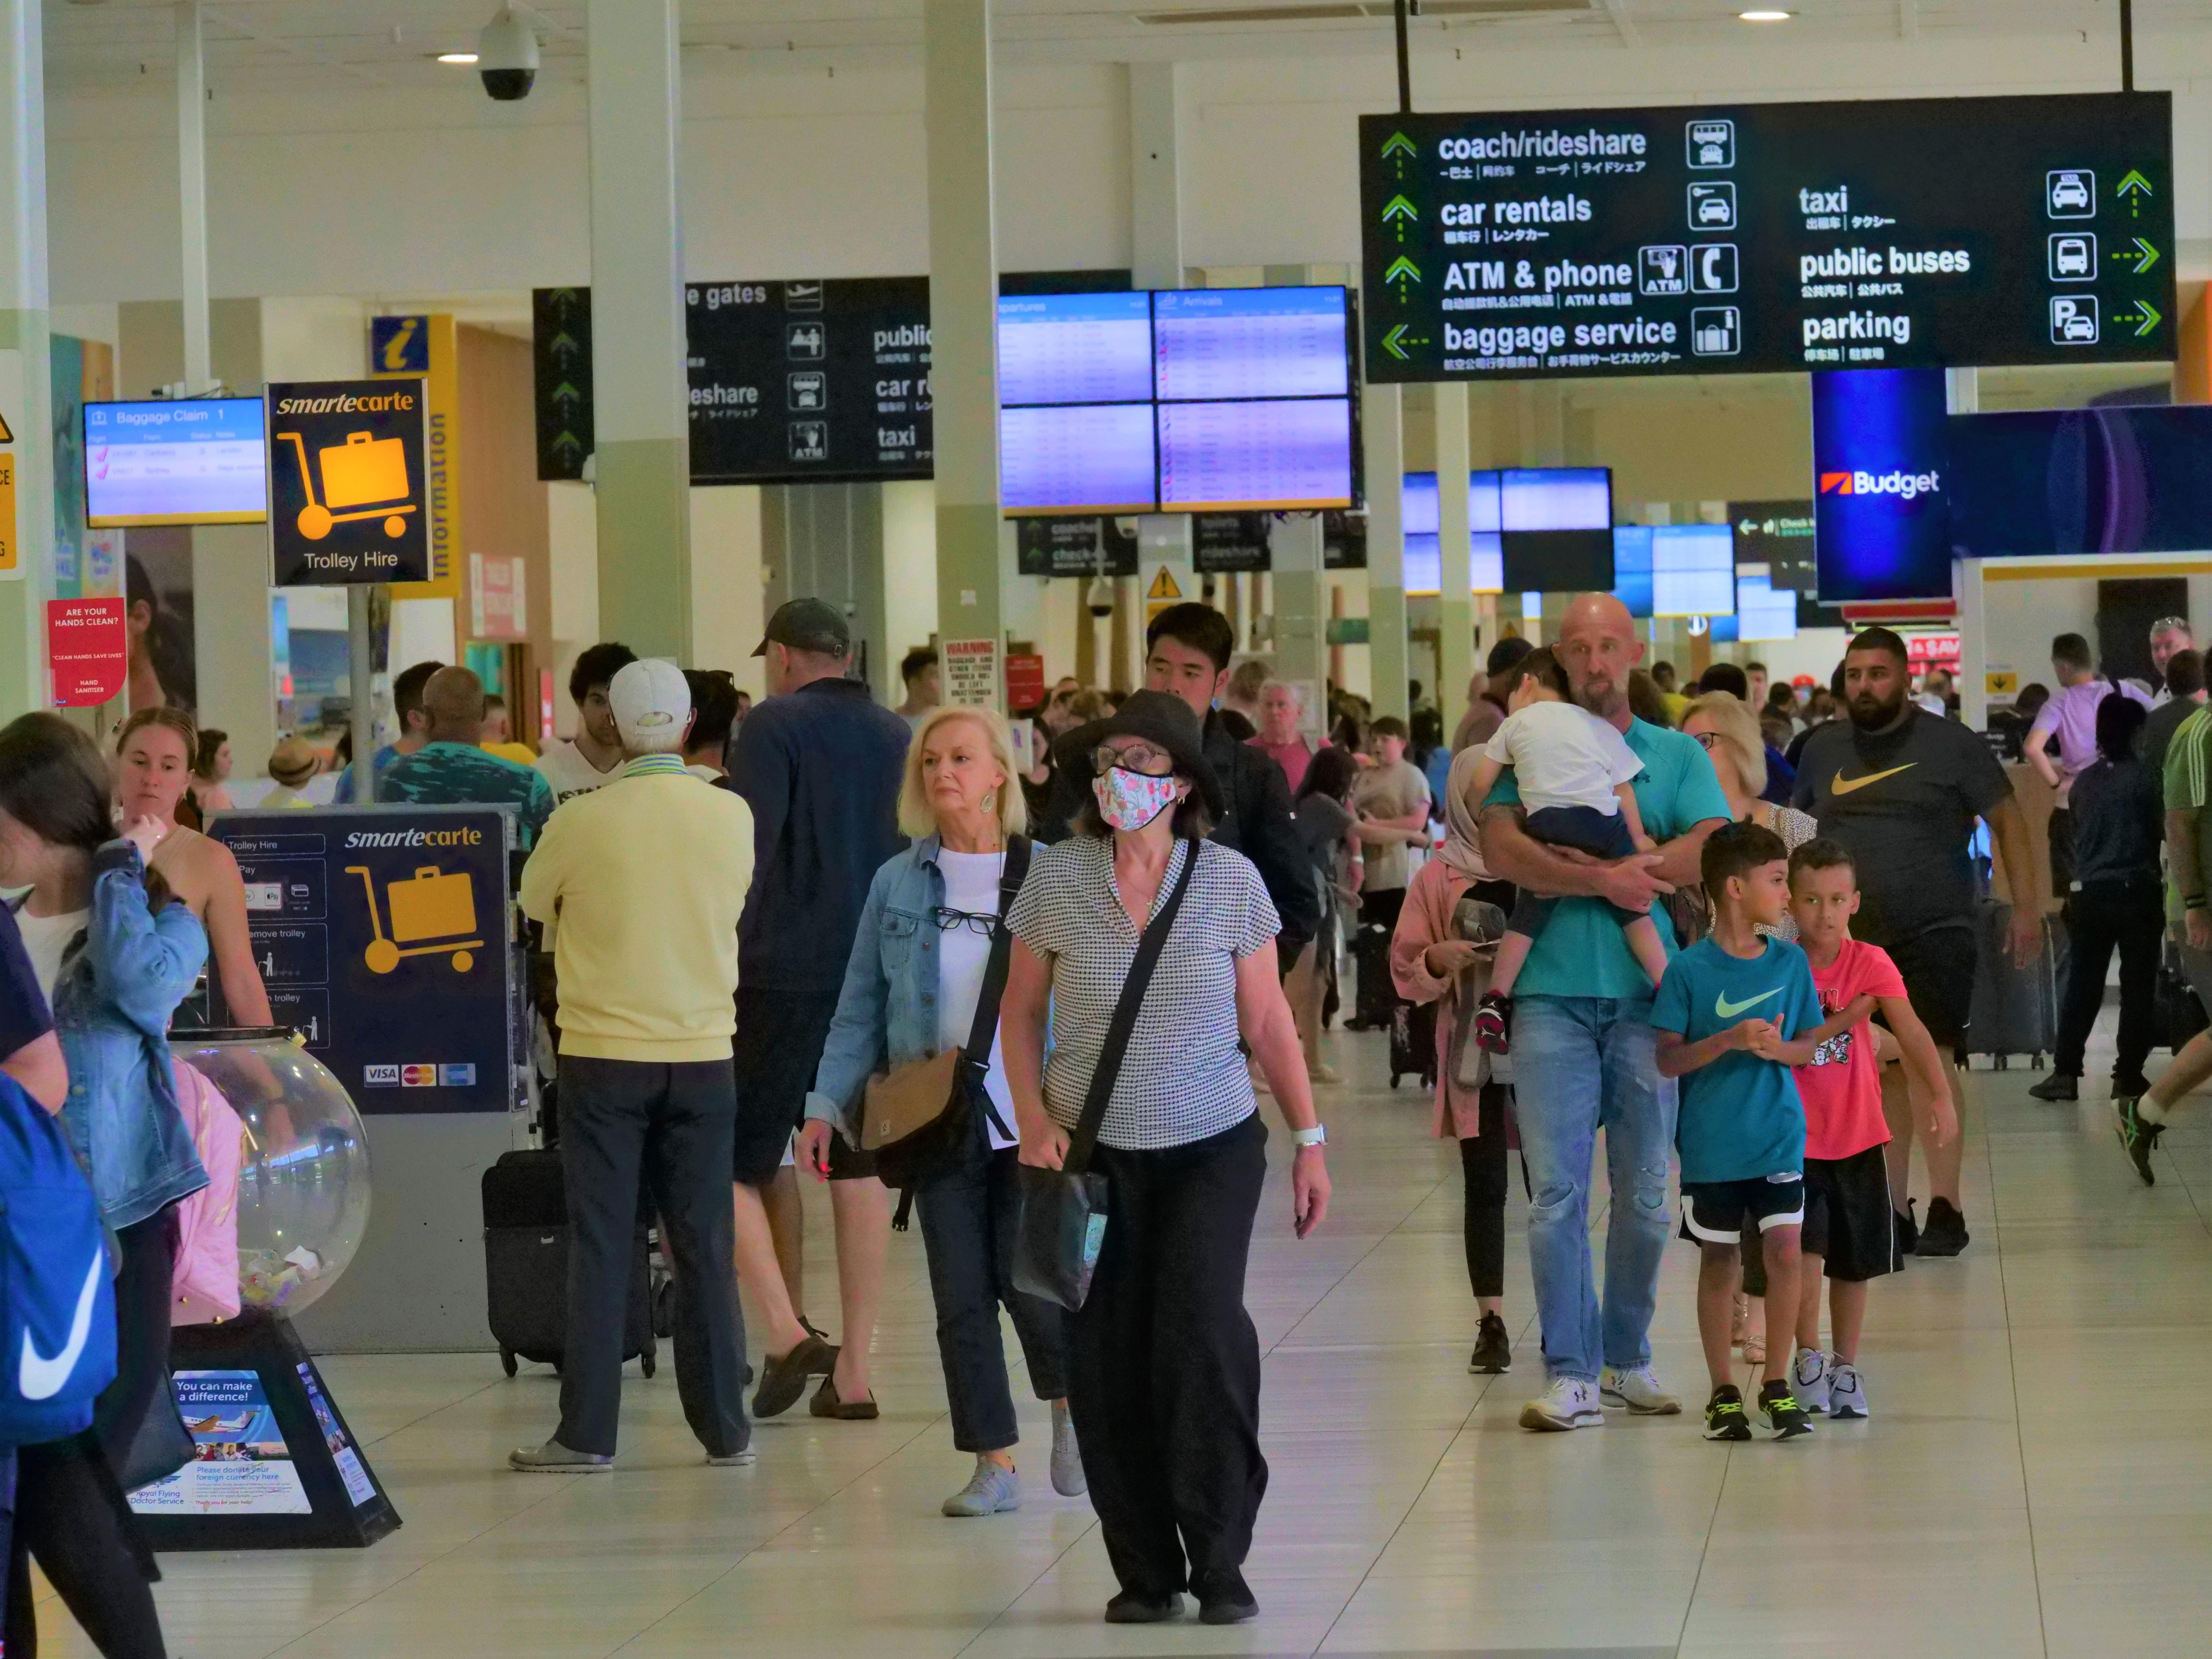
{"points": [[1744, 239]]}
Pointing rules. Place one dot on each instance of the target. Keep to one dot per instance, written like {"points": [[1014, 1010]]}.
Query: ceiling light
{"points": [[457, 57], [1764, 16]]}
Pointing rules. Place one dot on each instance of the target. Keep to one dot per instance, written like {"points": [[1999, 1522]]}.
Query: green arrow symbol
{"points": [[1391, 342], [2136, 182], [1403, 267], [2146, 256], [2151, 320], [1399, 144], [1399, 208]]}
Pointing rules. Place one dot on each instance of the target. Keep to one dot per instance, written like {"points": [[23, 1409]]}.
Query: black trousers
{"points": [[1482, 1162], [671, 1124], [968, 1228], [71, 1514], [2128, 915], [1164, 1381]]}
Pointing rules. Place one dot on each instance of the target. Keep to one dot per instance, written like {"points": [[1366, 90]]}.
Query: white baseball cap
{"points": [[652, 704]]}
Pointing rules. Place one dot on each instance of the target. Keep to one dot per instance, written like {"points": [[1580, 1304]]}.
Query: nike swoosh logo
{"points": [[1844, 786], [42, 1378], [1728, 1009]]}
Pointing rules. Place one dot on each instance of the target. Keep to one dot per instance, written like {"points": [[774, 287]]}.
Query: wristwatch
{"points": [[1317, 1136]]}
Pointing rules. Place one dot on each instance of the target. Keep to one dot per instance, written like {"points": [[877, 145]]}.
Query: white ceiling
{"points": [[299, 44]]}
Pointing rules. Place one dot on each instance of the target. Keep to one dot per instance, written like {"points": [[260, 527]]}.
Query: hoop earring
{"points": [[990, 797]]}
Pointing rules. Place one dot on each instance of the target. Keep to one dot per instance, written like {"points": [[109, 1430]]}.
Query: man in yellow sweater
{"points": [[642, 881]]}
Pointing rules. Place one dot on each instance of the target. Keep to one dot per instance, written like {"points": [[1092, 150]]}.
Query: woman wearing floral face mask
{"points": [[1163, 1364]]}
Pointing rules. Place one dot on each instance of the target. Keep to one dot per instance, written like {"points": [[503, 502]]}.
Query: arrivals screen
{"points": [[1282, 454], [194, 461], [1075, 349], [1082, 457], [1249, 343], [1764, 611], [1555, 498], [1631, 568], [1763, 238], [1693, 570]]}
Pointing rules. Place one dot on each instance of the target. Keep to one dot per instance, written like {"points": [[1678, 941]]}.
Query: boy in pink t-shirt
{"points": [[1848, 1228]]}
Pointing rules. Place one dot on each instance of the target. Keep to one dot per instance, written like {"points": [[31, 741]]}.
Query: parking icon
{"points": [[810, 441], [1716, 330], [2070, 193], [1712, 268], [2074, 256], [805, 343], [1663, 269], [1711, 143], [1712, 207], [2074, 319], [809, 390]]}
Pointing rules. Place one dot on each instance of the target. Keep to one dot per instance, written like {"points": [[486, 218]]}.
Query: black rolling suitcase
{"points": [[2015, 1010], [526, 1265], [1414, 1042]]}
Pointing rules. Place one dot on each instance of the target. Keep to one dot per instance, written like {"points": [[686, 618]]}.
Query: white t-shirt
{"points": [[570, 772], [971, 884], [46, 940], [1562, 755]]}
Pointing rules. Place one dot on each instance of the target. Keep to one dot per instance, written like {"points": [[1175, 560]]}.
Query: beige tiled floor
{"points": [[2038, 1479]]}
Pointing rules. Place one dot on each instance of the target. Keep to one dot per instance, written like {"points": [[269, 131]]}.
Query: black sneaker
{"points": [[1780, 1408], [1946, 1231], [1724, 1418], [2059, 1086], [2124, 1088], [1224, 1597], [2139, 1135], [1135, 1607], [1906, 1239], [1493, 1349]]}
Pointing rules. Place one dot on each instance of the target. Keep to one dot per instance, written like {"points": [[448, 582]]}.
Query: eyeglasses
{"points": [[2170, 625], [950, 920], [1137, 758], [1708, 740]]}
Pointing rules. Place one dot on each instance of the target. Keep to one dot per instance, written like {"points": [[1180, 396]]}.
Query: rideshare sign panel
{"points": [[1741, 239]]}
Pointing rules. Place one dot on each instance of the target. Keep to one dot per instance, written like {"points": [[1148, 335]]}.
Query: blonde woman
{"points": [[918, 965]]}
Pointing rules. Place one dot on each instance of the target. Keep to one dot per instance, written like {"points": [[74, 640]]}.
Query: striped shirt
{"points": [[1183, 1078]]}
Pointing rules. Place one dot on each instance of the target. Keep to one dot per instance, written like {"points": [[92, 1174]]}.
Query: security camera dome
{"points": [[507, 56]]}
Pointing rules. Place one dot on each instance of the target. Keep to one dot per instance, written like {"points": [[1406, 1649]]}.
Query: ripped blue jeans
{"points": [[1582, 1064]]}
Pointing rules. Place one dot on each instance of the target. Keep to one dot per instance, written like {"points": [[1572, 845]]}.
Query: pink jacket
{"points": [[1425, 920]]}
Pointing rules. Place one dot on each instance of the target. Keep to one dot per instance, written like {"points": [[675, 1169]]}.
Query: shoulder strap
{"points": [[1109, 1069], [976, 1054]]}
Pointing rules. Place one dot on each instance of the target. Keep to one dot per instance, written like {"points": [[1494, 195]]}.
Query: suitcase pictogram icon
{"points": [[363, 470], [429, 905]]}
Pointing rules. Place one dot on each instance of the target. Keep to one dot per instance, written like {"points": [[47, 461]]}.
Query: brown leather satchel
{"points": [[908, 1097]]}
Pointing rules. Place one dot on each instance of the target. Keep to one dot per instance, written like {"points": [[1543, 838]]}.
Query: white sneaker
{"points": [[1812, 1379], [1846, 1393], [1638, 1390], [1569, 1403]]}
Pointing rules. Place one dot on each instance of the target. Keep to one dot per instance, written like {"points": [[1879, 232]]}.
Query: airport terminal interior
{"points": [[420, 379]]}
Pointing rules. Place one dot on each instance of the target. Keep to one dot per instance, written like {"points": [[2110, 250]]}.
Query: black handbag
{"points": [[1062, 1221], [2180, 1015]]}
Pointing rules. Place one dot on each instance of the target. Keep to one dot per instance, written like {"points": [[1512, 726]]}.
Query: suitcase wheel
{"points": [[645, 1364], [2000, 1062], [507, 1361], [1394, 1080]]}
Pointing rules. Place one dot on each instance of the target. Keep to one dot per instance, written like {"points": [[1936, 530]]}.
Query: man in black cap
{"points": [[1187, 652], [820, 765]]}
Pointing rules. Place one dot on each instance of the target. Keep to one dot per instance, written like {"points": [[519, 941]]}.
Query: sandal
{"points": [[826, 1403], [1754, 1350], [1738, 1316]]}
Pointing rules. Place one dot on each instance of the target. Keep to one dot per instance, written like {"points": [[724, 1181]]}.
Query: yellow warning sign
{"points": [[11, 557], [1163, 586], [1999, 683], [6, 433]]}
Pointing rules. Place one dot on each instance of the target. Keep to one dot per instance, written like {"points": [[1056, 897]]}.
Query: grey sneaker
{"points": [[1067, 1477], [732, 1460], [1847, 1394], [1812, 1379], [1638, 1389], [1568, 1403], [553, 1458], [990, 1491]]}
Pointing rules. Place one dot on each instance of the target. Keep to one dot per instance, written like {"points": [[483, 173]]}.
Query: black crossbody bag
{"points": [[1062, 1224]]}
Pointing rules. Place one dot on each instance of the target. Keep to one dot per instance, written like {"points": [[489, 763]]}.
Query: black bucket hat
{"points": [[1164, 720]]}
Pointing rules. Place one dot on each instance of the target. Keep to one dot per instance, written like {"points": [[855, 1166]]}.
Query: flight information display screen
{"points": [[1079, 457], [1285, 454], [1761, 237], [1250, 342], [197, 460], [1693, 570], [1075, 349]]}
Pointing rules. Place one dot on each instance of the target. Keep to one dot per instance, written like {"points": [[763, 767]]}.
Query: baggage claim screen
{"points": [[1769, 237]]}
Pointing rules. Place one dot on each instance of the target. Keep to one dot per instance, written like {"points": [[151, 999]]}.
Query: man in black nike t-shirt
{"points": [[1901, 788]]}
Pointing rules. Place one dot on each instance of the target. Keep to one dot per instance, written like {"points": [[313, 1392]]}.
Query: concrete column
{"points": [[642, 467], [26, 391], [1973, 643], [1301, 650], [1454, 599], [963, 315], [1155, 175], [1383, 417], [191, 197]]}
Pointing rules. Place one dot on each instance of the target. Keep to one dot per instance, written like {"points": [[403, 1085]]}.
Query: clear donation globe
{"points": [[303, 1187]]}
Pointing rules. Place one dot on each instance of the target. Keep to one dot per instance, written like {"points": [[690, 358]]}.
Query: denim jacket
{"points": [[887, 1013], [120, 981]]}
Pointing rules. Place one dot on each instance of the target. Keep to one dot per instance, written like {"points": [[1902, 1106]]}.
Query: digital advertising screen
{"points": [[1880, 453], [1693, 570], [1211, 343], [1075, 348], [201, 460], [1764, 237], [1285, 454], [2124, 480], [1080, 458]]}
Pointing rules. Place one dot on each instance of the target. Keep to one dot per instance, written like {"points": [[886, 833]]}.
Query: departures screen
{"points": [[1764, 237]]}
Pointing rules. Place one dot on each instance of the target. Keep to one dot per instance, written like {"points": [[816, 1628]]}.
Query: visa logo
{"points": [[1906, 486]]}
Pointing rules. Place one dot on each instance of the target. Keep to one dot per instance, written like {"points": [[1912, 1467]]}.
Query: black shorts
{"points": [[1716, 1211], [778, 1049], [1847, 1215], [1938, 972]]}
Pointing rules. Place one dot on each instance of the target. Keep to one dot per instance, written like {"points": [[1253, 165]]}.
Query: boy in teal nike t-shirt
{"points": [[1735, 1013]]}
